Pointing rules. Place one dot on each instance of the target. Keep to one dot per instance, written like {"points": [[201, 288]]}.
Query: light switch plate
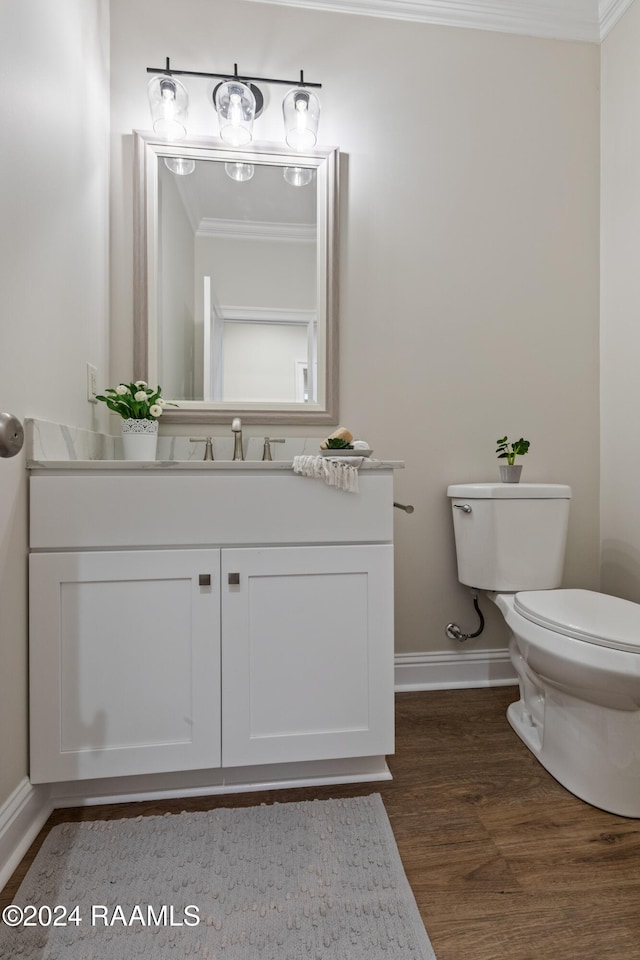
{"points": [[92, 383]]}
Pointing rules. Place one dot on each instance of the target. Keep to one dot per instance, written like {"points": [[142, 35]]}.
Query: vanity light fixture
{"points": [[236, 106], [301, 109], [241, 172], [182, 166], [238, 101], [298, 176], [169, 104]]}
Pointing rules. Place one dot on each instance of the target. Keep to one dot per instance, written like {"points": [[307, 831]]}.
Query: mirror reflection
{"points": [[237, 298], [235, 304]]}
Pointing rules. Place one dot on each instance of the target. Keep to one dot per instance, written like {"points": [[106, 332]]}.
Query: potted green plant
{"points": [[508, 450], [140, 407]]}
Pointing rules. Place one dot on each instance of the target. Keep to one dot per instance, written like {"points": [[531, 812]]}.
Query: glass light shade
{"points": [[236, 106], [301, 109], [239, 171], [169, 105], [298, 176], [182, 166]]}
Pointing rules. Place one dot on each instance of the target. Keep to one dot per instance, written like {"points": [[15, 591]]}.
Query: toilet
{"points": [[576, 652]]}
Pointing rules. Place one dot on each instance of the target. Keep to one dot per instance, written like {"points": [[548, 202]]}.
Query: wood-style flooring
{"points": [[504, 863]]}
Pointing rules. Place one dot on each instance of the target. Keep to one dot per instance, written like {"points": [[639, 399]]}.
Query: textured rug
{"points": [[315, 880]]}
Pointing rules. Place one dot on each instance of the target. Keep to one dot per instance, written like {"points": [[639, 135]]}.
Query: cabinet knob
{"points": [[204, 580], [234, 579]]}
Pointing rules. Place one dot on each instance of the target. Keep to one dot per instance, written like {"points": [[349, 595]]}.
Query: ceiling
{"points": [[586, 20]]}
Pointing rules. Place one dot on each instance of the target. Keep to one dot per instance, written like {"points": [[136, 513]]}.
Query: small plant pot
{"points": [[510, 474], [139, 439]]}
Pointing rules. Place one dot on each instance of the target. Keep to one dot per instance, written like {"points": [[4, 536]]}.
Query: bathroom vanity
{"points": [[229, 619]]}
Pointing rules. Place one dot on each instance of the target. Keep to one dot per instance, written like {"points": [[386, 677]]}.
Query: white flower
{"points": [[155, 410], [141, 383], [161, 401], [121, 389], [140, 396]]}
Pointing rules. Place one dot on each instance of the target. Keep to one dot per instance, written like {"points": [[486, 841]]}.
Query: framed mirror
{"points": [[235, 280]]}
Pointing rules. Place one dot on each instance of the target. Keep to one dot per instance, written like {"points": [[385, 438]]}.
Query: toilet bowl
{"points": [[576, 652], [577, 656]]}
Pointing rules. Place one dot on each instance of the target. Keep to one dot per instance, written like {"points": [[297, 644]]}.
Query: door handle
{"points": [[11, 435], [234, 579]]}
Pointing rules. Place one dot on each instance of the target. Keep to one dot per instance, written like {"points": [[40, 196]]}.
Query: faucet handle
{"points": [[208, 446], [266, 453]]}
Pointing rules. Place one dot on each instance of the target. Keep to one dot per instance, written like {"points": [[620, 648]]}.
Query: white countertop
{"points": [[240, 466]]}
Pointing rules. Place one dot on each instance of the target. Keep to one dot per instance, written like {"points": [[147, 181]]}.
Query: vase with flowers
{"points": [[140, 408]]}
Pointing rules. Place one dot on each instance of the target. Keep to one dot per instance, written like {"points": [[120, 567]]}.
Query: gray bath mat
{"points": [[315, 880]]}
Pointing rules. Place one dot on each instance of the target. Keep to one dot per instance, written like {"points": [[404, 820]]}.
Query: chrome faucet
{"points": [[266, 453], [236, 427]]}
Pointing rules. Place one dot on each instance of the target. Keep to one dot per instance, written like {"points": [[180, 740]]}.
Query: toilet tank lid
{"points": [[510, 491]]}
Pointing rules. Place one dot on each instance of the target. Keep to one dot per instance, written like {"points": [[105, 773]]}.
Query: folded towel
{"points": [[341, 472]]}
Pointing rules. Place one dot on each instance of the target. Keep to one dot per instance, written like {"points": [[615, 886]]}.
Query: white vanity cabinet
{"points": [[202, 620], [307, 667], [124, 663]]}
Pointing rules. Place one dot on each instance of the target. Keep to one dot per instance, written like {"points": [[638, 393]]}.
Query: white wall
{"points": [[248, 272], [53, 276], [620, 307], [469, 250], [260, 360]]}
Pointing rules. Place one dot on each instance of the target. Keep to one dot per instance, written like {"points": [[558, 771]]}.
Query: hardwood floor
{"points": [[504, 863]]}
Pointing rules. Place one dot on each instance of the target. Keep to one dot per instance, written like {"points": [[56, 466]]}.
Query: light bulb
{"points": [[235, 109]]}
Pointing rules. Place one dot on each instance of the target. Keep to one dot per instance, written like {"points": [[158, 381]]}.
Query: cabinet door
{"points": [[124, 663], [307, 653]]}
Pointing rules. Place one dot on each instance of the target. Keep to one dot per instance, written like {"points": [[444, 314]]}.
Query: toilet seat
{"points": [[585, 615]]}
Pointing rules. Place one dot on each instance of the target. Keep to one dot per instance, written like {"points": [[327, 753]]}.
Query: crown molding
{"points": [[268, 315], [610, 12], [584, 20]]}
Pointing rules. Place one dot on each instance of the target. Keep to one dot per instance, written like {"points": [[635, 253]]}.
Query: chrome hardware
{"points": [[454, 632], [234, 579], [11, 435], [236, 427], [465, 507], [407, 507], [208, 446], [204, 579], [266, 453]]}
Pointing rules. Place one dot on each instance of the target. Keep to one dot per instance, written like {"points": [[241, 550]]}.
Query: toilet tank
{"points": [[510, 536]]}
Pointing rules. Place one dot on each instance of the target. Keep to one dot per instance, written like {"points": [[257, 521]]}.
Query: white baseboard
{"points": [[204, 783], [453, 671], [22, 816]]}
